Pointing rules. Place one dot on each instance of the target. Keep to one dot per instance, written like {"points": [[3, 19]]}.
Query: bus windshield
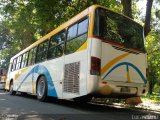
{"points": [[117, 28]]}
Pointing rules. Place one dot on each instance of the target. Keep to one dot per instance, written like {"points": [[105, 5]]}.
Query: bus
{"points": [[97, 53]]}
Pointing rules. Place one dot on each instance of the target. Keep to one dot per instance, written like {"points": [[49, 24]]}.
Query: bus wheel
{"points": [[42, 89], [11, 91]]}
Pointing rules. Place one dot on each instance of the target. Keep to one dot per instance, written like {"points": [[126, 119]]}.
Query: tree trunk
{"points": [[127, 7], [150, 90], [147, 28]]}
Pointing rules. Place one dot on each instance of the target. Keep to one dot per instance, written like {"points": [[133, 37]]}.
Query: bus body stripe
{"points": [[41, 69], [112, 62], [129, 64], [20, 72], [128, 74]]}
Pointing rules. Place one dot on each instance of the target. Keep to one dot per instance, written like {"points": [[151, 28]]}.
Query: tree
{"points": [[153, 49], [147, 24]]}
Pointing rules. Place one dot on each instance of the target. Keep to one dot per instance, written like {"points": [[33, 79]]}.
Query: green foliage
{"points": [[153, 48], [25, 21], [154, 97]]}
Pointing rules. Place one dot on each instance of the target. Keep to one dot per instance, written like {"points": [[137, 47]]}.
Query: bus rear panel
{"points": [[118, 57]]}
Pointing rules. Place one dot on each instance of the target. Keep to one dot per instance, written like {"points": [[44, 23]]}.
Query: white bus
{"points": [[96, 53]]}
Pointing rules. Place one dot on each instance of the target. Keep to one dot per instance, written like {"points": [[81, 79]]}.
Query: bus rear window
{"points": [[117, 28]]}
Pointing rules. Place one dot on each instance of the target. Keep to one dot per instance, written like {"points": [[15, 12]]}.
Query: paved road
{"points": [[28, 108]]}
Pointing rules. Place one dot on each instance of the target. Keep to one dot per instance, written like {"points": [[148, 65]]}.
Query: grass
{"points": [[154, 97]]}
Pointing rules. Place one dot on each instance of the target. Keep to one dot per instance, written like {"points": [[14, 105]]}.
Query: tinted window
{"points": [[74, 44], [19, 60], [14, 64], [117, 28], [83, 27], [24, 60], [32, 56], [56, 45], [72, 31], [80, 36], [42, 52]]}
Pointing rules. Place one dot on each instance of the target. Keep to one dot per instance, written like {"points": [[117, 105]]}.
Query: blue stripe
{"points": [[41, 69], [128, 64], [127, 68]]}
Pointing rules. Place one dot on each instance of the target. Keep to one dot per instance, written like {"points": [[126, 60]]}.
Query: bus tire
{"points": [[11, 91], [42, 89]]}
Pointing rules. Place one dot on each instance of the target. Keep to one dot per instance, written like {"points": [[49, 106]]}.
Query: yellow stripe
{"points": [[83, 47], [33, 91], [20, 72], [112, 62], [128, 77]]}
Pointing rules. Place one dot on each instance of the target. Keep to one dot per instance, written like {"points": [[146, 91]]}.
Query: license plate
{"points": [[125, 90]]}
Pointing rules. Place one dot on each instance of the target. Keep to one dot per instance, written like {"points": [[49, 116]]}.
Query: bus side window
{"points": [[56, 45], [32, 56], [38, 57], [72, 31], [45, 50], [14, 64], [18, 65], [77, 35], [83, 27], [42, 52], [60, 46], [11, 67], [24, 60]]}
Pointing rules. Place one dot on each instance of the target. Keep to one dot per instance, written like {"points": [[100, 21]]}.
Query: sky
{"points": [[142, 6]]}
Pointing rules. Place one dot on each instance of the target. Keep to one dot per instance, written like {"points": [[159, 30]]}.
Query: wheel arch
{"points": [[11, 91], [38, 80], [11, 81]]}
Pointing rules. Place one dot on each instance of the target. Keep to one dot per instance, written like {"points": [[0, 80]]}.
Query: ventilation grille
{"points": [[71, 78]]}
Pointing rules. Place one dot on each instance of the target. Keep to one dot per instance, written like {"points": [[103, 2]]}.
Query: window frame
{"points": [[77, 22], [41, 52], [25, 60], [33, 52], [55, 47], [14, 64], [84, 18], [19, 62]]}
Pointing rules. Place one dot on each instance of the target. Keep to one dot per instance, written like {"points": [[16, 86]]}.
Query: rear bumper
{"points": [[121, 89]]}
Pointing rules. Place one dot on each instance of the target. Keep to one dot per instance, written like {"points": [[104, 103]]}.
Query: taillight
{"points": [[95, 66]]}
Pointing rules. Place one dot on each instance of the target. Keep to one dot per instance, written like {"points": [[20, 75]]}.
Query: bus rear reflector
{"points": [[95, 66]]}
